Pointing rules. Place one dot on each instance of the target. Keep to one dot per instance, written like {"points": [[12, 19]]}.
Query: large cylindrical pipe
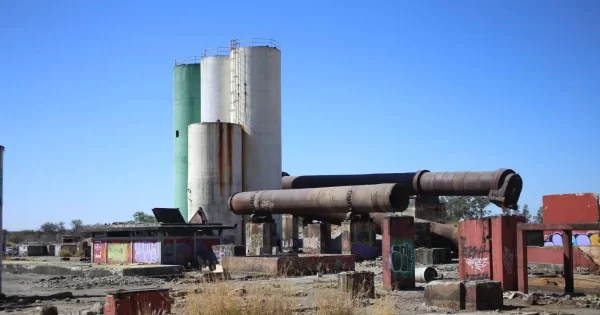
{"points": [[503, 187], [425, 274], [358, 199]]}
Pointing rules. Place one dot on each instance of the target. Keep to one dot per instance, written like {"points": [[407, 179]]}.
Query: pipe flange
{"points": [[499, 177], [416, 182]]}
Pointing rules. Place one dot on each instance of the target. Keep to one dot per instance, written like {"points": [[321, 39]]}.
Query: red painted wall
{"points": [[571, 208]]}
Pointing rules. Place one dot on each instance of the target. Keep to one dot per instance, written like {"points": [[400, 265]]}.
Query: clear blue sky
{"points": [[377, 86]]}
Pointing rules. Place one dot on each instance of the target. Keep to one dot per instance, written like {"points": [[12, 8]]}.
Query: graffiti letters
{"points": [[579, 238], [478, 264], [99, 252], [508, 260], [117, 252], [147, 252], [402, 258]]}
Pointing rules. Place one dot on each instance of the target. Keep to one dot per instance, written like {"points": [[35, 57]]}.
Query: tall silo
{"points": [[215, 173], [215, 88], [256, 105], [2, 240], [186, 110]]}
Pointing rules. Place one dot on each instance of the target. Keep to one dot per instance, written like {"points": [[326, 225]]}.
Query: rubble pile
{"points": [[80, 283]]}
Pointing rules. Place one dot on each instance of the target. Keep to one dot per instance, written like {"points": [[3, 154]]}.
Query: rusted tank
{"points": [[502, 187], [344, 199]]}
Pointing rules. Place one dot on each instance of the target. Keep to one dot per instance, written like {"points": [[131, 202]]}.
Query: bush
{"points": [[65, 252]]}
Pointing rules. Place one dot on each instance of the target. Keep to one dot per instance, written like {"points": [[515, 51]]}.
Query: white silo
{"points": [[215, 86], [256, 105], [215, 173]]}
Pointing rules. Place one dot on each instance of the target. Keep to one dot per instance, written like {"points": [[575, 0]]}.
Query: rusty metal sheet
{"points": [[168, 216]]}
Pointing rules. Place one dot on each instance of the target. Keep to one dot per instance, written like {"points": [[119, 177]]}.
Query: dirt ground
{"points": [[85, 294]]}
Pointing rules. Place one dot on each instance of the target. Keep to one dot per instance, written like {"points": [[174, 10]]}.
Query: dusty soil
{"points": [[87, 293]]}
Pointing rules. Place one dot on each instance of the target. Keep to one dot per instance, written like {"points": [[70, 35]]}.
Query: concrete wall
{"points": [[151, 250], [33, 250]]}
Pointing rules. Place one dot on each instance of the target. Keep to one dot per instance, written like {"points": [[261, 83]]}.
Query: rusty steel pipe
{"points": [[358, 199], [502, 187]]}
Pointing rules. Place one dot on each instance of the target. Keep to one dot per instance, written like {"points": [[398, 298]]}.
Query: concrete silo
{"points": [[256, 105], [2, 240], [215, 88], [215, 173], [186, 110]]}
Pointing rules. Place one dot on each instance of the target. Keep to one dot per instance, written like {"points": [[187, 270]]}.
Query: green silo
{"points": [[186, 111]]}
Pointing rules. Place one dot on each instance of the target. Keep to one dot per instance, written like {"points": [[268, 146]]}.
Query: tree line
{"points": [[139, 217], [461, 207]]}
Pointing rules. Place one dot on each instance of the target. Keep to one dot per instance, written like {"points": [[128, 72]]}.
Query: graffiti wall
{"points": [[118, 253], [99, 252], [146, 252], [474, 252], [398, 252], [402, 258], [579, 238]]}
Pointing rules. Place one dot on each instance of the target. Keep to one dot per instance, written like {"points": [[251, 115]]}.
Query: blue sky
{"points": [[378, 86]]}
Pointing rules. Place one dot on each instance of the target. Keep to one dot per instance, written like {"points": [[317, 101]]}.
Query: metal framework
{"points": [[567, 230]]}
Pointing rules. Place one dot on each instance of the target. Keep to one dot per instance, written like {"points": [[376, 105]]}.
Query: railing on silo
{"points": [[187, 60]]}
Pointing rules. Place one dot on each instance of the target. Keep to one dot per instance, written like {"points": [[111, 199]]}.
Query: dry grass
{"points": [[226, 298], [65, 253]]}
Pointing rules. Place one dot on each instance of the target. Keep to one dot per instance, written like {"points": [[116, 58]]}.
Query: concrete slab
{"points": [[87, 269], [289, 264]]}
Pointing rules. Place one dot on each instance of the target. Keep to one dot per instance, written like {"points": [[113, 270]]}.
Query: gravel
{"points": [[80, 283]]}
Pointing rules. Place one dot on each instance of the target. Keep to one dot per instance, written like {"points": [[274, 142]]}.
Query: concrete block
{"points": [[398, 252], [483, 295], [289, 264], [289, 233], [316, 238], [446, 294], [358, 238], [260, 238], [228, 250], [358, 284], [432, 256]]}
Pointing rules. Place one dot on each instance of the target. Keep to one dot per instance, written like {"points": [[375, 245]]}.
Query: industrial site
{"points": [[243, 236]]}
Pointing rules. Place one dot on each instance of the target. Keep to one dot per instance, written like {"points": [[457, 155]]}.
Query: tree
{"points": [[141, 217], [462, 207], [61, 227], [50, 227], [76, 224], [526, 214], [539, 217]]}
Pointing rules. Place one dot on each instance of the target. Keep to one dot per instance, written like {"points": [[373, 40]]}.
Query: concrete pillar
{"points": [[358, 238], [289, 233], [358, 284], [316, 238], [398, 252], [504, 245], [260, 238], [487, 250]]}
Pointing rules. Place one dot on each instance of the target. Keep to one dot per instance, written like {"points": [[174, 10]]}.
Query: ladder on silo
{"points": [[237, 64]]}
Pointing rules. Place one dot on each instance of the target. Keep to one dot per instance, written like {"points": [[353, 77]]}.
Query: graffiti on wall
{"points": [[146, 252], [579, 238], [362, 245], [477, 260], [118, 253], [402, 258], [508, 259], [99, 252]]}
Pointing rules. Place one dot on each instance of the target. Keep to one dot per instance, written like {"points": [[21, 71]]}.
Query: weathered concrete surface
{"points": [[483, 295], [88, 270], [358, 238], [446, 294], [358, 284], [228, 250], [289, 233], [460, 295], [289, 264], [432, 256], [316, 238], [260, 238]]}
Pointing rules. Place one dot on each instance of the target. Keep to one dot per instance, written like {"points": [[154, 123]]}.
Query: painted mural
{"points": [[99, 252], [146, 252], [579, 238], [118, 253]]}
